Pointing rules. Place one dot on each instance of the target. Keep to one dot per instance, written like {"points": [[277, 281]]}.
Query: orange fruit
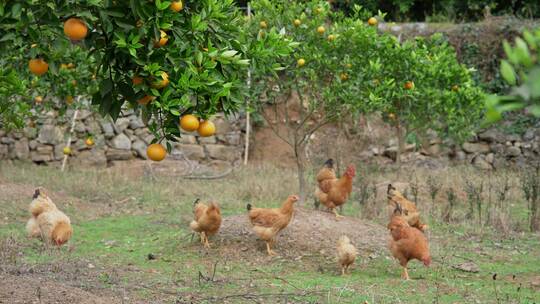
{"points": [[177, 6], [372, 21], [263, 24], [392, 116], [162, 40], [206, 128], [70, 65], [409, 85], [38, 66], [331, 38], [321, 30], [156, 152], [348, 65], [455, 88], [136, 80], [318, 10], [160, 84], [301, 62], [38, 99], [189, 122], [69, 99], [74, 83], [89, 142], [75, 29], [344, 76], [63, 66], [66, 150], [297, 22], [145, 100]]}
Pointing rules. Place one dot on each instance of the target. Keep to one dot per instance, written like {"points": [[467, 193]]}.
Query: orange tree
{"points": [[164, 59], [421, 86], [326, 79]]}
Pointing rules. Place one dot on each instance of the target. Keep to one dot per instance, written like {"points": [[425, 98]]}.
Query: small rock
{"points": [[192, 152], [140, 148], [467, 267], [121, 124], [513, 151], [107, 128], [116, 154], [121, 142], [476, 147], [50, 134], [151, 256], [480, 162], [136, 122], [91, 266], [222, 152]]}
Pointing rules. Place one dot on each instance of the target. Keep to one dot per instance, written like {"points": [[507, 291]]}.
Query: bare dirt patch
{"points": [[35, 289], [309, 232]]}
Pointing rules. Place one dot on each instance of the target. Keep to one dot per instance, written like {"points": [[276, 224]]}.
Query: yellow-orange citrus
{"points": [[344, 76], [189, 123], [321, 30], [38, 99], [162, 40], [156, 152], [89, 142], [145, 100], [136, 80], [66, 150], [69, 99], [331, 38], [300, 62], [38, 66], [160, 84], [75, 29], [297, 22], [372, 21], [177, 6], [409, 85], [206, 128]]}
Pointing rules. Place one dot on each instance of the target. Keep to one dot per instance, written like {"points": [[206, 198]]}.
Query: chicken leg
{"points": [[269, 249], [202, 236], [337, 215], [405, 274], [206, 243]]}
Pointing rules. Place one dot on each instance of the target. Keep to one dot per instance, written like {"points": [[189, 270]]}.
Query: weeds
{"points": [[452, 199], [530, 183]]}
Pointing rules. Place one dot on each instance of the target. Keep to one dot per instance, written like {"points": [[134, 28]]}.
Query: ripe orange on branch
{"points": [[321, 30], [177, 6], [206, 128], [145, 100], [409, 85], [189, 123], [372, 21], [75, 29], [156, 152], [38, 66]]}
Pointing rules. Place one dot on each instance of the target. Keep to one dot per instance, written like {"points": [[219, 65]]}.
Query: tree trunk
{"points": [[300, 156], [401, 142]]}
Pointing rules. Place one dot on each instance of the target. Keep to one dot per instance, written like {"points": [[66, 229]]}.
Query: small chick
{"points": [[346, 253]]}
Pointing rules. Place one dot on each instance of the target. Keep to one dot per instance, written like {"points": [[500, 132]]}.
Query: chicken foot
{"points": [[337, 215], [405, 274], [269, 249]]}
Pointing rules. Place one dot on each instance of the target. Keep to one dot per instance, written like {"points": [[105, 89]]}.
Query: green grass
{"points": [[155, 221]]}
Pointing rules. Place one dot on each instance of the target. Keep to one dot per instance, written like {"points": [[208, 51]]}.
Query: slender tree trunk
{"points": [[401, 142], [301, 165]]}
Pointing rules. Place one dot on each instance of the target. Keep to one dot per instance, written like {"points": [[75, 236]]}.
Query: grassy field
{"points": [[132, 243]]}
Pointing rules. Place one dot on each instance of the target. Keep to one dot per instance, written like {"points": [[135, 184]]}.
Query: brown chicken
{"points": [[267, 223], [334, 192], [47, 222], [410, 213], [346, 253], [407, 243], [207, 220]]}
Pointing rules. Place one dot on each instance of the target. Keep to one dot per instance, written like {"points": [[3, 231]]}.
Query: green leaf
{"points": [[508, 73]]}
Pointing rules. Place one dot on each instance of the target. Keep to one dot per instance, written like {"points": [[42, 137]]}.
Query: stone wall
{"points": [[126, 139], [490, 149]]}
